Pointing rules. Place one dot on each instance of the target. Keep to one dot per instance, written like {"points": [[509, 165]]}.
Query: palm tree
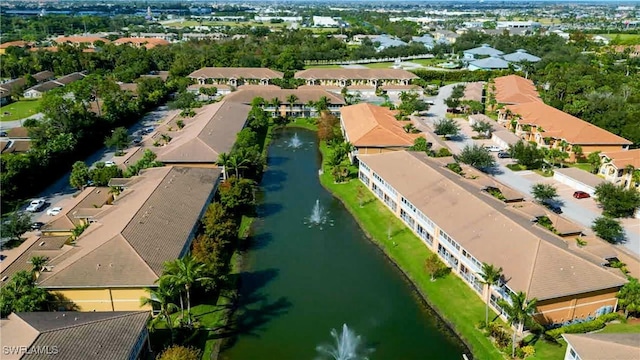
{"points": [[162, 297], [490, 276], [223, 160], [292, 99], [276, 104], [519, 311], [37, 263], [184, 272], [237, 162], [322, 104]]}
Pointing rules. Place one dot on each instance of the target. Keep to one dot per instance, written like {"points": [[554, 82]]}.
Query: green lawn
{"points": [[19, 110], [449, 296], [380, 65], [621, 328], [426, 62], [582, 166], [549, 351], [306, 123], [623, 39]]}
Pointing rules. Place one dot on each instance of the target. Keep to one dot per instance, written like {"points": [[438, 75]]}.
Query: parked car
{"points": [[36, 205], [37, 225], [54, 211], [109, 163], [493, 148], [136, 139], [555, 208], [147, 130], [581, 195], [3, 134], [504, 155]]}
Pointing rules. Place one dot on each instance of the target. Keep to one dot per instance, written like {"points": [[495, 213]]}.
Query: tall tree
{"points": [[476, 156], [80, 175], [544, 193], [119, 139], [223, 160], [237, 162], [608, 228], [162, 297], [629, 296], [184, 272], [292, 99], [519, 311], [490, 276], [21, 294], [16, 224], [446, 127], [37, 263]]}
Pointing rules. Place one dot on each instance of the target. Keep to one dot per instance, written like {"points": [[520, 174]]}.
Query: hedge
{"points": [[585, 327], [460, 76]]}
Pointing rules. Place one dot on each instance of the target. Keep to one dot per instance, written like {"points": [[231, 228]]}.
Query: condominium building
{"points": [[347, 77], [466, 226], [618, 167], [235, 76]]}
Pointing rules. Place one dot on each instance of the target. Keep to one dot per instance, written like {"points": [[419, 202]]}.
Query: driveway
{"points": [[60, 193], [582, 211]]}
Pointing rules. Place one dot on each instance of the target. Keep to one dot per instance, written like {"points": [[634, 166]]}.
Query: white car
{"points": [[54, 211], [493, 148], [35, 205], [109, 163]]}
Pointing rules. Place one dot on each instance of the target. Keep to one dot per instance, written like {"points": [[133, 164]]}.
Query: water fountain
{"points": [[295, 141], [318, 216], [347, 346]]}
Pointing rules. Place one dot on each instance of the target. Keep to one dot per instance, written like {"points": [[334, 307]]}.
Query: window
{"points": [[364, 178], [390, 203], [424, 235], [447, 238], [407, 218], [573, 353], [364, 167]]}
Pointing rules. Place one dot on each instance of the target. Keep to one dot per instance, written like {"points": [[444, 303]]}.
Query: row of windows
{"points": [[472, 259], [447, 238], [407, 219], [364, 178], [424, 235], [364, 167], [390, 203], [430, 224], [384, 183], [409, 205]]}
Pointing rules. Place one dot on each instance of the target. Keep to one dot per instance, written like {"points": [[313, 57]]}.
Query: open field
{"points": [[623, 39], [19, 110]]}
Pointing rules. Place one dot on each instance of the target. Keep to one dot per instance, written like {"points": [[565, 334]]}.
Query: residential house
{"points": [[304, 105], [235, 76], [373, 129], [163, 36], [552, 128], [12, 86], [446, 36], [204, 36], [517, 24], [69, 78], [38, 91], [521, 56], [490, 63], [43, 76], [148, 43], [618, 167], [76, 335], [456, 218], [473, 91], [425, 40], [598, 346], [153, 220], [14, 146], [372, 78], [88, 41], [19, 43], [481, 52], [386, 41], [162, 75], [200, 140], [324, 21], [513, 89]]}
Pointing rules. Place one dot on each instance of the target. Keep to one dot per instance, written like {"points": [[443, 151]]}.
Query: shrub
{"points": [[528, 351], [611, 317], [579, 328], [455, 167], [443, 152]]}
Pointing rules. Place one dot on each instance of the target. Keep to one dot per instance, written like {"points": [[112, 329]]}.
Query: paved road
{"points": [[18, 123], [573, 209], [60, 192]]}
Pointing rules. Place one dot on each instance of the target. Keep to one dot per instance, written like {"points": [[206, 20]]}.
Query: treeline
{"points": [[75, 123]]}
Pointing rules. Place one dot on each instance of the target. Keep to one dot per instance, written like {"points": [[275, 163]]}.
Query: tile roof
{"points": [[561, 125], [48, 246], [44, 75], [17, 43], [77, 335], [622, 159], [534, 260], [46, 86], [148, 43], [90, 198], [484, 50], [355, 74], [490, 63], [69, 78], [209, 133], [150, 222], [18, 132], [371, 125], [303, 95], [618, 346], [521, 55], [514, 89], [235, 73], [473, 91], [80, 39], [132, 87], [15, 146], [9, 85]]}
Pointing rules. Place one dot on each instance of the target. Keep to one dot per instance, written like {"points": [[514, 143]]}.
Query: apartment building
{"points": [[235, 76], [148, 43], [373, 129], [512, 90], [618, 167], [346, 77], [466, 226], [553, 128], [107, 268], [596, 346], [290, 102]]}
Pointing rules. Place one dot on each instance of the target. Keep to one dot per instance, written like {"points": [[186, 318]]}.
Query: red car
{"points": [[581, 195]]}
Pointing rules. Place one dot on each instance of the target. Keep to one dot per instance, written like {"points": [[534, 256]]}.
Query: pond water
{"points": [[311, 269]]}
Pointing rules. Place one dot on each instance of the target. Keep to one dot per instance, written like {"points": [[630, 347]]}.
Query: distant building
{"points": [[325, 21], [517, 24], [89, 41], [520, 56], [490, 63], [235, 76], [602, 346], [483, 51], [445, 36], [387, 41], [148, 43], [601, 39], [425, 40], [6, 45]]}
